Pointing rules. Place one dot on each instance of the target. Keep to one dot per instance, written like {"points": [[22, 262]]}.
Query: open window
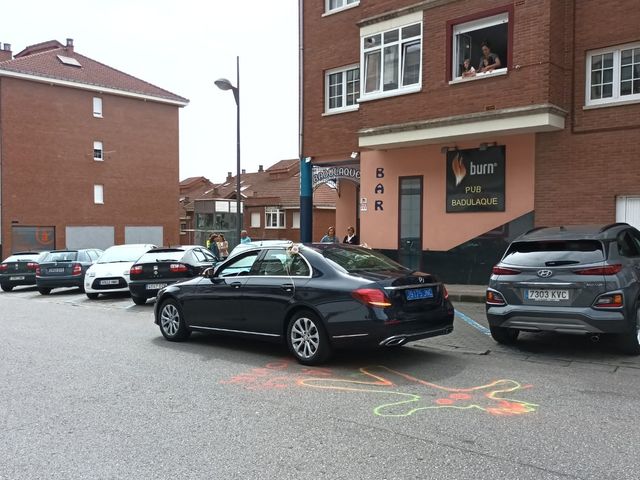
{"points": [[480, 47]]}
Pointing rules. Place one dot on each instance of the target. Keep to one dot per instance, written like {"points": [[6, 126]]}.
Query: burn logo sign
{"points": [[475, 180]]}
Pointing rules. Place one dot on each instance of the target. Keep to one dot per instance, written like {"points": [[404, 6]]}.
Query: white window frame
{"points": [[97, 107], [346, 5], [472, 26], [380, 29], [254, 216], [97, 145], [98, 194], [344, 107], [280, 215], [616, 98], [295, 219]]}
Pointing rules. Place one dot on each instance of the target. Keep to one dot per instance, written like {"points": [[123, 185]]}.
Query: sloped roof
{"points": [[42, 60]]}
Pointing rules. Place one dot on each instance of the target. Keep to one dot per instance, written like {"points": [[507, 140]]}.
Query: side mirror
{"points": [[208, 272]]}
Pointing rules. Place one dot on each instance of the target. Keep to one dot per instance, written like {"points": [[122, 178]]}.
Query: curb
{"points": [[466, 297]]}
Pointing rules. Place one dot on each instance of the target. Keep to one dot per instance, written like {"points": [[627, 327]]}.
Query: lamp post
{"points": [[224, 84]]}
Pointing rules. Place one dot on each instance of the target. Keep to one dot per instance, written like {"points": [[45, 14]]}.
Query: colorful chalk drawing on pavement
{"points": [[410, 395]]}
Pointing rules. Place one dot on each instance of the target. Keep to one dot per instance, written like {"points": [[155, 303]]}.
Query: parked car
{"points": [[163, 266], [314, 297], [574, 279], [19, 269], [110, 273], [65, 268]]}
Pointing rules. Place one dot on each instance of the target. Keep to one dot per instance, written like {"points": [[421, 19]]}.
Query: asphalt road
{"points": [[89, 389]]}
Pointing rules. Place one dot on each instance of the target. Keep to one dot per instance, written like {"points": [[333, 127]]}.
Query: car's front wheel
{"points": [[44, 291], [172, 324], [92, 296], [6, 288], [307, 339], [505, 336], [629, 342], [138, 300]]}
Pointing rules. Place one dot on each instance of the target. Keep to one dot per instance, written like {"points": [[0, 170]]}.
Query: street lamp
{"points": [[224, 84]]}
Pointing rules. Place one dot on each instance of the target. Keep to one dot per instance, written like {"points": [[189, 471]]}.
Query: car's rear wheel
{"points": [[44, 291], [505, 336], [6, 288], [172, 324], [629, 342], [138, 300], [307, 340], [93, 296]]}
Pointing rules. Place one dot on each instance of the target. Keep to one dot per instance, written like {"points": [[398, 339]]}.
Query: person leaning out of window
{"points": [[330, 237], [351, 238], [489, 60]]}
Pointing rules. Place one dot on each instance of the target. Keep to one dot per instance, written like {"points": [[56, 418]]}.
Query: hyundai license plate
{"points": [[156, 286], [419, 293], [108, 282], [547, 295], [13, 279]]}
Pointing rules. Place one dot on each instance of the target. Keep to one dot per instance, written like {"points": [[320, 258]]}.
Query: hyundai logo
{"points": [[545, 273]]}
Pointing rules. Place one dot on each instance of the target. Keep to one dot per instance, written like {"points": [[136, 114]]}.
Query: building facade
{"points": [[541, 127], [89, 155], [190, 189]]}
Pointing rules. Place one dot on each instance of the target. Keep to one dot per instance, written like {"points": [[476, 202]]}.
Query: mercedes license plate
{"points": [[419, 293], [156, 286], [547, 295], [109, 282]]}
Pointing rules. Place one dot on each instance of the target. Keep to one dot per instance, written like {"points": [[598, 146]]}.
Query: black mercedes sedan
{"points": [[20, 269], [163, 266], [314, 297], [65, 268]]}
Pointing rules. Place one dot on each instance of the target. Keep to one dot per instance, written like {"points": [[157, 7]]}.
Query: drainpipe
{"points": [[306, 182]]}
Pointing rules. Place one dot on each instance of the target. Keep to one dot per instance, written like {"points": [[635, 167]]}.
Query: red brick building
{"points": [[270, 205], [543, 130], [190, 189], [89, 154]]}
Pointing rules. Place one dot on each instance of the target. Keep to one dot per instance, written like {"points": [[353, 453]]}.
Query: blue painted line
{"points": [[472, 322]]}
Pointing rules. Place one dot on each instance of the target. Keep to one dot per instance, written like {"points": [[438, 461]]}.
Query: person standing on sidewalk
{"points": [[351, 238]]}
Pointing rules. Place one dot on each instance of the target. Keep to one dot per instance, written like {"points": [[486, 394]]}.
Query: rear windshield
{"points": [[61, 257], [360, 259], [161, 256], [122, 254], [22, 258], [554, 254]]}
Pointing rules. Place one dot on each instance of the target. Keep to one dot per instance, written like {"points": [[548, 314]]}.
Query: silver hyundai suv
{"points": [[573, 279]]}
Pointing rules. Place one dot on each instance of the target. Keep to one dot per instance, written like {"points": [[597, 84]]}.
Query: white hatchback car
{"points": [[110, 274]]}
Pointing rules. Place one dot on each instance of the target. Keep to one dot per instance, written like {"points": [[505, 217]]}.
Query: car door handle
{"points": [[287, 287], [236, 284]]}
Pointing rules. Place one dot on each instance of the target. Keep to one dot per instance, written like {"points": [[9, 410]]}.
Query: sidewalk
{"points": [[467, 293]]}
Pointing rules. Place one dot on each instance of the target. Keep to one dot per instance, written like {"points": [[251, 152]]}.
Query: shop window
{"points": [[342, 89], [391, 61], [613, 75], [480, 47], [274, 217]]}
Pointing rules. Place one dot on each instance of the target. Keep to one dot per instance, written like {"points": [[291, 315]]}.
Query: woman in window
{"points": [[489, 60], [330, 237]]}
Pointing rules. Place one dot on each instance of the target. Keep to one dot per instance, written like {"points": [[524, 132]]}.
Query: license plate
{"points": [[109, 282], [419, 293], [15, 278], [56, 270], [547, 295], [156, 286]]}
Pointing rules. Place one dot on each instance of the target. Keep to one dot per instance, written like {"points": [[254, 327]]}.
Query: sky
{"points": [[184, 47]]}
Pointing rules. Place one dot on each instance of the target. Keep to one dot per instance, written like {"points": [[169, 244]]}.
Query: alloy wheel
{"points": [[170, 319], [305, 337]]}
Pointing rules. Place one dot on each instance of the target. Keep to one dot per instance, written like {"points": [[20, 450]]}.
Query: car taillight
{"points": [[178, 268], [3, 267], [445, 293], [604, 270], [609, 300], [504, 271], [495, 298], [135, 270], [77, 269], [32, 266], [371, 296]]}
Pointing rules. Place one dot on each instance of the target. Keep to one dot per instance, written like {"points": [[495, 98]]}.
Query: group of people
{"points": [[351, 238], [488, 62], [217, 245]]}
